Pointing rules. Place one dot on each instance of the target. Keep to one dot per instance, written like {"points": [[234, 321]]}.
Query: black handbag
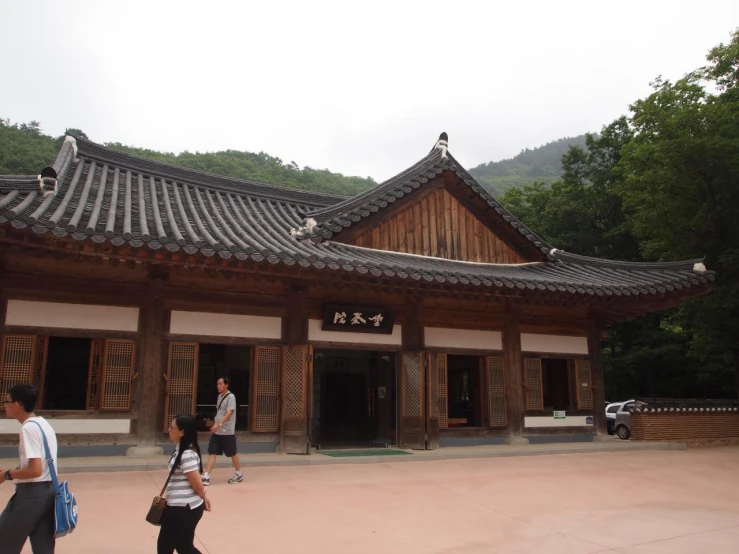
{"points": [[156, 511]]}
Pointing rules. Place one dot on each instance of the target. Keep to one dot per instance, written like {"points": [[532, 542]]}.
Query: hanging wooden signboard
{"points": [[357, 319]]}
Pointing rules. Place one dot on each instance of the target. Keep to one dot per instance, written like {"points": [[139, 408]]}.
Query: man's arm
{"points": [[35, 469]]}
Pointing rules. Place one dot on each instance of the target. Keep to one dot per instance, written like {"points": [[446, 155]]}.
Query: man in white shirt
{"points": [[30, 511]]}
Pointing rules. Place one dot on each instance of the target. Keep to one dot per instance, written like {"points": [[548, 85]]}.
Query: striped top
{"points": [[179, 492]]}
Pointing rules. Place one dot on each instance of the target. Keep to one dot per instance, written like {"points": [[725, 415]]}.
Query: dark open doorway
{"points": [[67, 372], [464, 382], [353, 398], [215, 361], [556, 384]]}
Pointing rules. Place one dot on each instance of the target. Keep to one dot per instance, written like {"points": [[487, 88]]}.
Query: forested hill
{"points": [[543, 163], [24, 150]]}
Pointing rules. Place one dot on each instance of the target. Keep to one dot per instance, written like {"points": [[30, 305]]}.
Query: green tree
{"points": [[681, 195]]}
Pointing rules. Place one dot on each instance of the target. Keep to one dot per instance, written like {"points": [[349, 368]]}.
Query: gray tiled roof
{"points": [[109, 196]]}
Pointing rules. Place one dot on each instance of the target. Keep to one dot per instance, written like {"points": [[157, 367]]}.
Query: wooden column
{"points": [[150, 382], [513, 379], [295, 323], [412, 332], [598, 381]]}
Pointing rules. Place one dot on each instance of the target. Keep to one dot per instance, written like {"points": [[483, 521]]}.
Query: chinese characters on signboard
{"points": [[357, 319]]}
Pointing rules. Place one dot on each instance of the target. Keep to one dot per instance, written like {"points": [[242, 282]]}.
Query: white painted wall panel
{"points": [[225, 325], [74, 426], [555, 344], [569, 421], [315, 333], [72, 316], [463, 338]]}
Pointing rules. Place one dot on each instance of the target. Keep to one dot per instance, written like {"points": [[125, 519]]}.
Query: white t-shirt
{"points": [[32, 446]]}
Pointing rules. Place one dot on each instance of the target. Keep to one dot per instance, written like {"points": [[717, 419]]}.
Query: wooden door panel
{"points": [[412, 420], [296, 374]]}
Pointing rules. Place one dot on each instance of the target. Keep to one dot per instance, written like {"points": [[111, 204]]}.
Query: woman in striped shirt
{"points": [[185, 492]]}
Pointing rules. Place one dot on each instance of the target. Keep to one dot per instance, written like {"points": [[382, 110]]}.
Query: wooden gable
{"points": [[434, 224]]}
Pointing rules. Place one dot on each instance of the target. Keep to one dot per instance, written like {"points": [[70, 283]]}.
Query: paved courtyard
{"points": [[649, 502]]}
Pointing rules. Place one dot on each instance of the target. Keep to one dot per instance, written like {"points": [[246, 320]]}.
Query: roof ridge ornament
{"points": [[699, 267], [443, 145], [306, 231], [73, 141]]}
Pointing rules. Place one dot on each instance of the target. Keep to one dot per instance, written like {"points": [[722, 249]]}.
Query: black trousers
{"points": [[178, 530], [29, 514]]}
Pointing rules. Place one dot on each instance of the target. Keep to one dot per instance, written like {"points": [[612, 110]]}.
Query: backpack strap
{"points": [[49, 458]]}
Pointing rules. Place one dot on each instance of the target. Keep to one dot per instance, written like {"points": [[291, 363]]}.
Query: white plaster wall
{"points": [[549, 421], [225, 325], [73, 426], [72, 316], [315, 333], [463, 338], [555, 344]]}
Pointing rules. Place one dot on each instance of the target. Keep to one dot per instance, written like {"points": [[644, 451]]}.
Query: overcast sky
{"points": [[358, 88]]}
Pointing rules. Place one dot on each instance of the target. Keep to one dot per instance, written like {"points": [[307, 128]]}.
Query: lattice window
{"points": [[412, 392], [433, 385], [95, 370], [182, 375], [496, 392], [266, 388], [534, 388], [39, 370], [115, 386], [441, 361], [584, 385], [18, 359], [293, 379]]}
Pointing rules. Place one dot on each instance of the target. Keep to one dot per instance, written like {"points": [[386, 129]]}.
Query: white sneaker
{"points": [[206, 479], [237, 478]]}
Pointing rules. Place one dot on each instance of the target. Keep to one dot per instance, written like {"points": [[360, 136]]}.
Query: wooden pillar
{"points": [[412, 332], [150, 380], [513, 379], [295, 323], [596, 375]]}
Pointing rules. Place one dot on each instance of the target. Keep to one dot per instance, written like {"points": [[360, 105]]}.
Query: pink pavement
{"points": [[650, 502]]}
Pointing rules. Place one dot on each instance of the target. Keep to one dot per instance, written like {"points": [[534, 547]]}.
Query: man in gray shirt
{"points": [[223, 433]]}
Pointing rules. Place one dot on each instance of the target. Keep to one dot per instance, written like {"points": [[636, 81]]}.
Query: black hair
{"points": [[189, 439], [225, 380], [25, 394]]}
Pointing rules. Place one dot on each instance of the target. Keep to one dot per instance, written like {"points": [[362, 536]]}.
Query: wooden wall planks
{"points": [[440, 226]]}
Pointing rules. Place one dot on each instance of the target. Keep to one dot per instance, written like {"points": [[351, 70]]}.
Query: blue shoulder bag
{"points": [[65, 506]]}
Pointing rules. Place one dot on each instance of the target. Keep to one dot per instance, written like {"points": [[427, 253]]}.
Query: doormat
{"points": [[363, 452]]}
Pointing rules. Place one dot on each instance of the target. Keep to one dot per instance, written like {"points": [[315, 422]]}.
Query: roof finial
{"points": [[443, 145]]}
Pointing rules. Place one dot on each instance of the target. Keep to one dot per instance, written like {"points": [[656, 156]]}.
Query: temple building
{"points": [[419, 313]]}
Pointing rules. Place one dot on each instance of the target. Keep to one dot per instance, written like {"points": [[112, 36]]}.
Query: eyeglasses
{"points": [[5, 401]]}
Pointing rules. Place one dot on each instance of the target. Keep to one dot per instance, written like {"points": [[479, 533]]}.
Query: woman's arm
{"points": [[196, 482]]}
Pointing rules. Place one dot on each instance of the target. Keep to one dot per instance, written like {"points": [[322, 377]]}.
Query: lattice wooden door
{"points": [[94, 374], [18, 361], [266, 386], [436, 364], [39, 372], [497, 415], [534, 387], [296, 378], [412, 420], [584, 384], [117, 375], [441, 365], [182, 377]]}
